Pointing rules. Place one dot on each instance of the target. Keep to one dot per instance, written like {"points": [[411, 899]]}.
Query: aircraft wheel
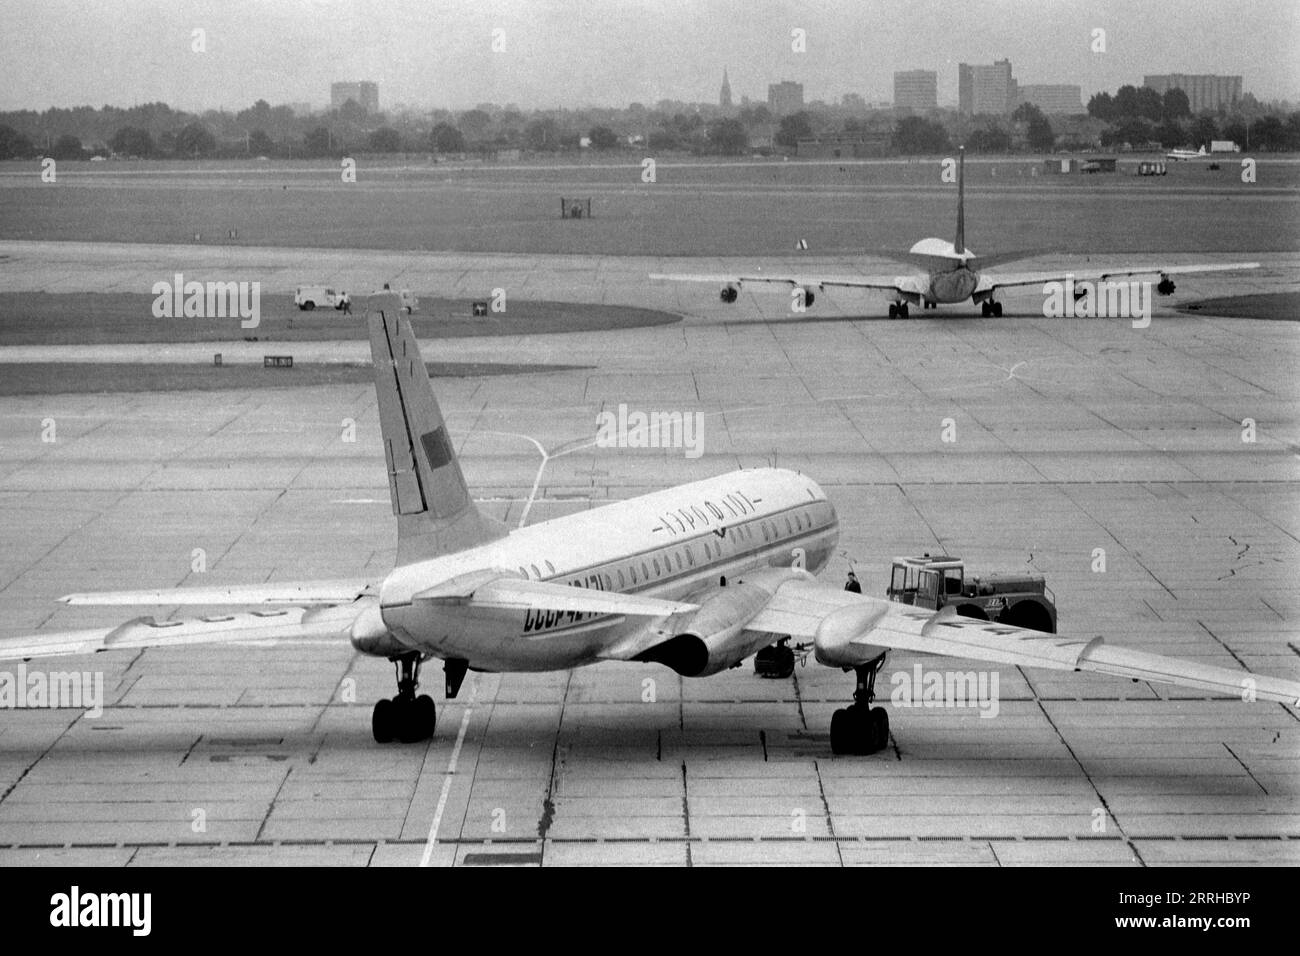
{"points": [[879, 729], [842, 731], [383, 721], [308, 306], [902, 311], [893, 311], [997, 309], [776, 661], [984, 309], [415, 719], [425, 716]]}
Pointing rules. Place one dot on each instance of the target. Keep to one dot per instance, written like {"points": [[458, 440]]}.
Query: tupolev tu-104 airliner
{"points": [[697, 578]]}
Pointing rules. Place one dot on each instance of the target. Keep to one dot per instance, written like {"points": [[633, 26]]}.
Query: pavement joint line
{"points": [[449, 776]]}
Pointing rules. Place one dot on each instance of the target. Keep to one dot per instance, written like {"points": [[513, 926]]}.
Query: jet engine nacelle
{"points": [[806, 296], [714, 637], [1166, 286], [729, 293]]}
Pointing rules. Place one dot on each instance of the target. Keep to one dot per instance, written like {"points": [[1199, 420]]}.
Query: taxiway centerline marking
{"points": [[447, 778]]}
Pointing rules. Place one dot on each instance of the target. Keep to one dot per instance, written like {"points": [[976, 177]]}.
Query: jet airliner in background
{"points": [[951, 273], [697, 577]]}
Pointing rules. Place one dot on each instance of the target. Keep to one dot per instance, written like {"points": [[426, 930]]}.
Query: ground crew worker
{"points": [[852, 584]]}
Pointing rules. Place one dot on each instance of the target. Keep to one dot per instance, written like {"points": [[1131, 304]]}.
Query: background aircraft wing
{"points": [[886, 283], [265, 628], [1005, 280], [288, 592], [849, 629]]}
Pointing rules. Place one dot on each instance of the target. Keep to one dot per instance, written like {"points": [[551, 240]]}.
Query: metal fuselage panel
{"points": [[670, 544]]}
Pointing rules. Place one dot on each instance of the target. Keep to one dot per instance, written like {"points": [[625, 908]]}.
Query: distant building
{"points": [[1052, 97], [302, 109], [1205, 91], [916, 90], [785, 98], [965, 89], [362, 92], [995, 88], [724, 97]]}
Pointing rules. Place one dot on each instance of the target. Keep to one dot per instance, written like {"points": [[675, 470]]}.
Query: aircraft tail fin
{"points": [[435, 514], [959, 243]]}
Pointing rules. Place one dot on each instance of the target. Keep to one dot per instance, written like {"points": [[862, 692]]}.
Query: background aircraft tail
{"points": [[959, 244], [435, 514]]}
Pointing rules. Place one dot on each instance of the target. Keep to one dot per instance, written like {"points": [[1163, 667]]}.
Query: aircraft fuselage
{"points": [[671, 545]]}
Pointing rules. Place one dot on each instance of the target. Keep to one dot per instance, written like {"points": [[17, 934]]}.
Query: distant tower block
{"points": [[575, 208], [724, 97]]}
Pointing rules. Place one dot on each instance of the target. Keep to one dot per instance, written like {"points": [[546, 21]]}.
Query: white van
{"points": [[308, 297]]}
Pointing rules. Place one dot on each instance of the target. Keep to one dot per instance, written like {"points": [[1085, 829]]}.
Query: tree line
{"points": [[1134, 115]]}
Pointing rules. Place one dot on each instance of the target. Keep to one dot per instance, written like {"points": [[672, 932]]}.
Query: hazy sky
{"points": [[612, 52]]}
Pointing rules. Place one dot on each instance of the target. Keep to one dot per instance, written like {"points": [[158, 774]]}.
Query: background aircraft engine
{"points": [[729, 293], [806, 296]]}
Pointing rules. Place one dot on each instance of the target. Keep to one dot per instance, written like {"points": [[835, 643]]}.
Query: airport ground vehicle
{"points": [[1019, 598], [308, 297]]}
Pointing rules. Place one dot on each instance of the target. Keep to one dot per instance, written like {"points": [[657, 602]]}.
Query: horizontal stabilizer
{"points": [[264, 628], [510, 593], [288, 592]]}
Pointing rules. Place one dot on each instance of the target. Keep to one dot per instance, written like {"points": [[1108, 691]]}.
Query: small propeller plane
{"points": [[951, 274], [697, 577]]}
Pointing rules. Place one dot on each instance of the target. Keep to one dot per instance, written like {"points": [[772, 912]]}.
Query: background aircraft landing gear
{"points": [[898, 310], [990, 308], [776, 660], [405, 717], [861, 729]]}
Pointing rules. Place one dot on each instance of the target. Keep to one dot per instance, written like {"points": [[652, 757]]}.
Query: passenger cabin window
{"points": [[632, 569], [690, 556], [645, 570], [679, 560], [657, 572], [621, 585]]}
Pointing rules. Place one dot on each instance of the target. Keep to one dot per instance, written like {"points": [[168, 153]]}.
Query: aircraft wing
{"points": [[993, 281], [264, 628], [288, 592], [850, 629], [885, 283]]}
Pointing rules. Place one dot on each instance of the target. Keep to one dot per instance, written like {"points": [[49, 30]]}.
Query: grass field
{"points": [[697, 209], [38, 318]]}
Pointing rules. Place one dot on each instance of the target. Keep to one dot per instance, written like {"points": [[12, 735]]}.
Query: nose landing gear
{"points": [[405, 717], [990, 308], [898, 310]]}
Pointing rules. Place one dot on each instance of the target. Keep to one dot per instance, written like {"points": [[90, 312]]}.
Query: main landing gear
{"points": [[405, 717], [775, 660], [898, 310], [861, 729], [990, 308]]}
